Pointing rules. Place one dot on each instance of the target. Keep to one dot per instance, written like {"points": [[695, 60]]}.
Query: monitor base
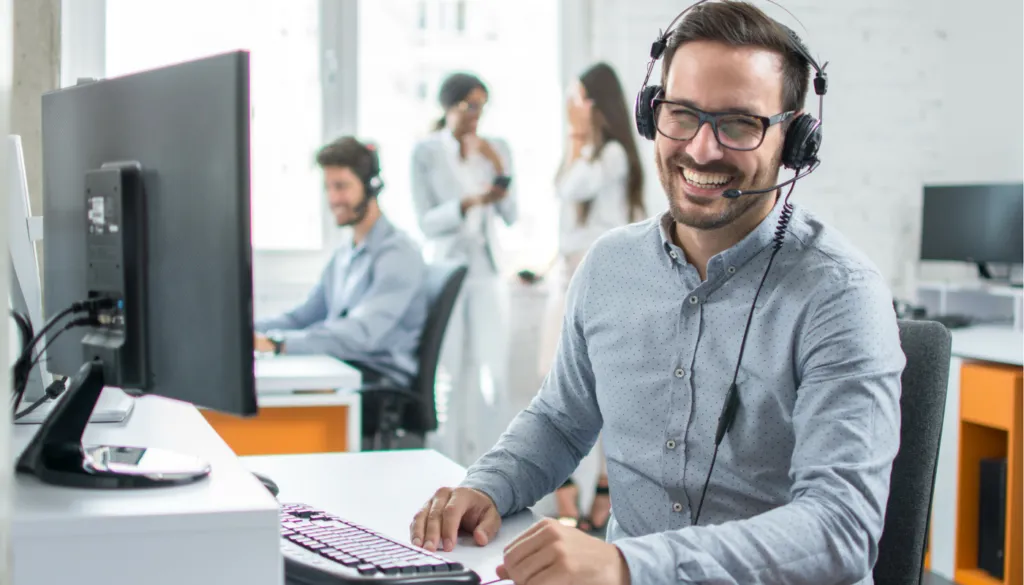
{"points": [[57, 456]]}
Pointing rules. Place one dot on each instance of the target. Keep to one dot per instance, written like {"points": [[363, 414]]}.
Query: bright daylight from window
{"points": [[407, 47], [283, 38]]}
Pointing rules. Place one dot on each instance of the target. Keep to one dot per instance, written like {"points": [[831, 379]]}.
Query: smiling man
{"points": [[795, 492], [368, 308]]}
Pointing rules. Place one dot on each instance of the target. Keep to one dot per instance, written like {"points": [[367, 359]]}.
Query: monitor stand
{"points": [[985, 273], [57, 456]]}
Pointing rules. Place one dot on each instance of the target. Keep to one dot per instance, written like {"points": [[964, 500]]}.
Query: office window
{"points": [[513, 45], [286, 93]]}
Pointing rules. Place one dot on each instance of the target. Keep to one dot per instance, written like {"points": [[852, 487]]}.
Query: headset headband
{"points": [[820, 77]]}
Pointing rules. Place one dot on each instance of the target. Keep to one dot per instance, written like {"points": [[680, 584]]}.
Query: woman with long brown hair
{"points": [[600, 184]]}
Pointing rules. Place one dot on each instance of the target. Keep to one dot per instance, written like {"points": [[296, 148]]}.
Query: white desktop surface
{"points": [[991, 343], [288, 373], [383, 491], [222, 529]]}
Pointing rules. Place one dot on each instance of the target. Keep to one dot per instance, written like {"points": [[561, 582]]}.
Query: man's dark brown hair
{"points": [[740, 24], [347, 152]]}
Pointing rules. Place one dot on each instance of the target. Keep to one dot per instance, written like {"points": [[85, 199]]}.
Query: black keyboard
{"points": [[322, 549]]}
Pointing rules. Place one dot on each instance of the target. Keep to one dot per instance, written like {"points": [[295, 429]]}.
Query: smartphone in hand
{"points": [[502, 181]]}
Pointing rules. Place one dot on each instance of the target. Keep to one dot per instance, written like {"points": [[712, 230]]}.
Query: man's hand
{"points": [[262, 344], [440, 519], [552, 554]]}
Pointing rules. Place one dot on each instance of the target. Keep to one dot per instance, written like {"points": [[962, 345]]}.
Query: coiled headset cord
{"points": [[732, 399]]}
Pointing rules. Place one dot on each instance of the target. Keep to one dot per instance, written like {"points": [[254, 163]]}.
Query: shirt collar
{"points": [[380, 231], [739, 254]]}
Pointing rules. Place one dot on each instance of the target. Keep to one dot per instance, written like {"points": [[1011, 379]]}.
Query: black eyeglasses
{"points": [[733, 131]]}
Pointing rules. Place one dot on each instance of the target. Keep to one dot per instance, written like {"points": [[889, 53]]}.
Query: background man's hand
{"points": [[436, 526], [552, 554], [262, 344]]}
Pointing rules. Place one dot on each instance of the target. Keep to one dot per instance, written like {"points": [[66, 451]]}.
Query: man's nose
{"points": [[704, 147]]}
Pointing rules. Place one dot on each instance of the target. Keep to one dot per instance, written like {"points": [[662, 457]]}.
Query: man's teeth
{"points": [[698, 179]]}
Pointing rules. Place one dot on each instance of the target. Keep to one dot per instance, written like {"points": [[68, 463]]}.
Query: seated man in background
{"points": [[368, 308]]}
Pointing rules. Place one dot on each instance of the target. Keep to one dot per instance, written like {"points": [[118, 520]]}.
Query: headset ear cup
{"points": [[803, 138], [644, 113], [374, 187]]}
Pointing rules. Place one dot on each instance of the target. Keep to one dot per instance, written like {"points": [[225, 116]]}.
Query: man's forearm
{"points": [[530, 460], [812, 541]]}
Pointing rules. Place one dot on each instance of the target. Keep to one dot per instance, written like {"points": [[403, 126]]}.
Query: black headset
{"points": [[803, 136], [372, 181]]}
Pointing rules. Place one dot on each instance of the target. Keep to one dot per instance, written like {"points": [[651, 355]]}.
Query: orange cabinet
{"points": [[990, 427]]}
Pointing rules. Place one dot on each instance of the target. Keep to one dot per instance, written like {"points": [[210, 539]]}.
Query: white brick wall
{"points": [[907, 82]]}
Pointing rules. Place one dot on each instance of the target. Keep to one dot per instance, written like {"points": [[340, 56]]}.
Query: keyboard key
{"points": [[366, 569]]}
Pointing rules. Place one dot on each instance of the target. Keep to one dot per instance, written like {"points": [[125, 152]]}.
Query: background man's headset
{"points": [[372, 183], [799, 151]]}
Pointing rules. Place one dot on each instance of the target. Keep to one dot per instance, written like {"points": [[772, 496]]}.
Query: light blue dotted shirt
{"points": [[646, 356]]}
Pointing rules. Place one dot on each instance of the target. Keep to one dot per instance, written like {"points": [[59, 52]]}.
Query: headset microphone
{"points": [[734, 193]]}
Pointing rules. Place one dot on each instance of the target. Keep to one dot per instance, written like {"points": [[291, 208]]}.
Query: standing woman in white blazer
{"points": [[462, 187], [600, 185]]}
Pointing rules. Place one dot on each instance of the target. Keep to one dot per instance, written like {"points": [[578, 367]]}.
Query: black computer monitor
{"points": [[974, 223], [147, 221]]}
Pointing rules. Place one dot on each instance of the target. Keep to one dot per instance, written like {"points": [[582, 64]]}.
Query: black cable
{"points": [[25, 331], [53, 391], [25, 363], [732, 398], [26, 334]]}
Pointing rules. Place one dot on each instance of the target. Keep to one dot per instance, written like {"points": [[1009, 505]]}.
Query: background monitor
{"points": [[147, 202], [973, 223]]}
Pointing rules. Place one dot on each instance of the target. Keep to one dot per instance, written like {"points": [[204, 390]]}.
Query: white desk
{"points": [[310, 394], [383, 491], [287, 373], [223, 529], [989, 343]]}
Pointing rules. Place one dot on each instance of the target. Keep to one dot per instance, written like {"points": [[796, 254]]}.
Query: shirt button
{"points": [[731, 270], [679, 372], [677, 507], [673, 254], [671, 444], [693, 300]]}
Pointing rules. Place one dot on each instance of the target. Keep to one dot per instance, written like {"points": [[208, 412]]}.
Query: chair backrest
{"points": [[926, 345], [444, 281]]}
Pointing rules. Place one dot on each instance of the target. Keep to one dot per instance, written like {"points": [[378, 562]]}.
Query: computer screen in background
{"points": [[147, 226], [979, 224]]}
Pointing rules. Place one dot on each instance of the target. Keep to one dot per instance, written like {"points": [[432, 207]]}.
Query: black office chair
{"points": [[926, 345], [395, 410]]}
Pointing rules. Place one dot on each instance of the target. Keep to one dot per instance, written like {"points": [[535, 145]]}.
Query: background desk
{"points": [[996, 349], [383, 491], [223, 529], [307, 405]]}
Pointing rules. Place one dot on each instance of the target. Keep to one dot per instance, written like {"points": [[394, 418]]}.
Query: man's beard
{"points": [[673, 183]]}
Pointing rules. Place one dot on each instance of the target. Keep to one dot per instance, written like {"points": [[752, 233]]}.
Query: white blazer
{"points": [[438, 187], [601, 181]]}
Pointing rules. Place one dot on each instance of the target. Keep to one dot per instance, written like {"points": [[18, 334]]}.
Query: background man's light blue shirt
{"points": [[369, 306], [646, 355]]}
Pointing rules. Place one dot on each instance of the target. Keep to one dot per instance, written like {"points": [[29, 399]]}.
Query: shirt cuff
{"points": [[495, 485], [299, 343]]}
